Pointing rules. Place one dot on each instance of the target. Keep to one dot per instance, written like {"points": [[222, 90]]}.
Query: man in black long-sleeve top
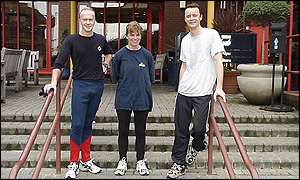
{"points": [[85, 50]]}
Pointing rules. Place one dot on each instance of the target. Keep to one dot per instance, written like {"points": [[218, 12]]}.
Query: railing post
{"points": [[238, 140], [58, 129], [55, 127], [19, 164], [210, 138], [290, 41]]}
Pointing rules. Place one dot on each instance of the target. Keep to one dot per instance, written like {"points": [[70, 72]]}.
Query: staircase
{"points": [[271, 138], [273, 147]]}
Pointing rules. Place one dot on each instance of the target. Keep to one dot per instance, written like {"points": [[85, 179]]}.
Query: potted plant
{"points": [[230, 85], [232, 30], [255, 81], [227, 21]]}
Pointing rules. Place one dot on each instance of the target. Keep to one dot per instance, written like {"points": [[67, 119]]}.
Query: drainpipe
{"points": [[73, 24], [210, 13]]}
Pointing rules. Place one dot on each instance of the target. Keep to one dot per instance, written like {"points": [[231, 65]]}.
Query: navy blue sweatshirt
{"points": [[86, 54], [133, 70]]}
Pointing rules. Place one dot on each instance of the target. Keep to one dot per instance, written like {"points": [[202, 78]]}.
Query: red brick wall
{"points": [[64, 17]]}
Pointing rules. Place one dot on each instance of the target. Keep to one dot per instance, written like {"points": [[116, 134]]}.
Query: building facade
{"points": [[42, 25]]}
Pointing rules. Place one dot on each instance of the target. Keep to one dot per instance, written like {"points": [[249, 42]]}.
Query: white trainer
{"points": [[73, 171], [141, 168], [122, 167], [191, 156], [176, 171], [89, 166]]}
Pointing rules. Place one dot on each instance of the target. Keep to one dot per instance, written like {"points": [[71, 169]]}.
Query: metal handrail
{"points": [[213, 129], [289, 63], [55, 126], [18, 165], [289, 70]]}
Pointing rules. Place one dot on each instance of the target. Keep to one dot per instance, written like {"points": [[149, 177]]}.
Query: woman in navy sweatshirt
{"points": [[133, 71]]}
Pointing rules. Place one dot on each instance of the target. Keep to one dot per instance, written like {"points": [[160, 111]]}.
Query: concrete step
{"points": [[154, 118], [191, 173], [291, 98], [161, 160], [156, 129], [156, 143]]}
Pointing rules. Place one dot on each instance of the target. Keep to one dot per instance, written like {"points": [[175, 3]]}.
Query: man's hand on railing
{"points": [[105, 67], [46, 89], [221, 93]]}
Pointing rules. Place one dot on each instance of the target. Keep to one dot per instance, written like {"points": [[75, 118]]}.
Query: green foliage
{"points": [[265, 12], [227, 69]]}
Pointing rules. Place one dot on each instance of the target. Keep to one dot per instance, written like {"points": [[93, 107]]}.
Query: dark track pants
{"points": [[183, 117], [140, 118], [86, 97]]}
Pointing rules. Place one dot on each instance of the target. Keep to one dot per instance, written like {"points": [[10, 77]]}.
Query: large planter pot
{"points": [[255, 82]]}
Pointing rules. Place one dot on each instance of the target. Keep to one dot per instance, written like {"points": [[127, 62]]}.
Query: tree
{"points": [[265, 12]]}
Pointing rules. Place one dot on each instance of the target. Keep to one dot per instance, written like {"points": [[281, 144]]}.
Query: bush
{"points": [[228, 22], [265, 12]]}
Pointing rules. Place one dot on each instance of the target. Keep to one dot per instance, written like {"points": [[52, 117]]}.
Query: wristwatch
{"points": [[105, 65]]}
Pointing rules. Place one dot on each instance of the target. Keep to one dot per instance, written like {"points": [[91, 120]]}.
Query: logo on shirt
{"points": [[99, 48], [142, 65]]}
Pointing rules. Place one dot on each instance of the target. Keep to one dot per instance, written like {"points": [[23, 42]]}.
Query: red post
{"points": [[210, 138], [133, 10], [58, 129], [262, 35], [32, 26], [18, 25], [48, 35], [149, 27], [3, 23], [161, 28], [104, 19], [290, 46], [119, 26]]}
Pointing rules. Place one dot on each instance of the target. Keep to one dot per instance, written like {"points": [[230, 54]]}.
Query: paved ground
{"points": [[27, 102], [50, 173]]}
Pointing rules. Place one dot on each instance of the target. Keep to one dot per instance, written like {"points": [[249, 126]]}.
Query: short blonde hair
{"points": [[86, 9], [134, 26]]}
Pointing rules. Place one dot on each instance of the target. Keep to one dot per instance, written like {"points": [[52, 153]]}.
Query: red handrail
{"points": [[289, 37], [19, 164], [55, 126], [213, 129], [289, 71]]}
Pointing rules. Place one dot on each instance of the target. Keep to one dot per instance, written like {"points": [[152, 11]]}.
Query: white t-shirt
{"points": [[197, 52]]}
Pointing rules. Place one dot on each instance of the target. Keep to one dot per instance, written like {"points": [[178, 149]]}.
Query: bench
{"points": [[24, 67], [3, 94], [18, 65], [32, 67], [159, 67], [12, 61]]}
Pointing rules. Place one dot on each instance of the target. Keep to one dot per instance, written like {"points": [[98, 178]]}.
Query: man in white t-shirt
{"points": [[200, 77]]}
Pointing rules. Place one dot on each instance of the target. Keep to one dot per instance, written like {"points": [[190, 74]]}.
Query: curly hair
{"points": [[134, 26]]}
